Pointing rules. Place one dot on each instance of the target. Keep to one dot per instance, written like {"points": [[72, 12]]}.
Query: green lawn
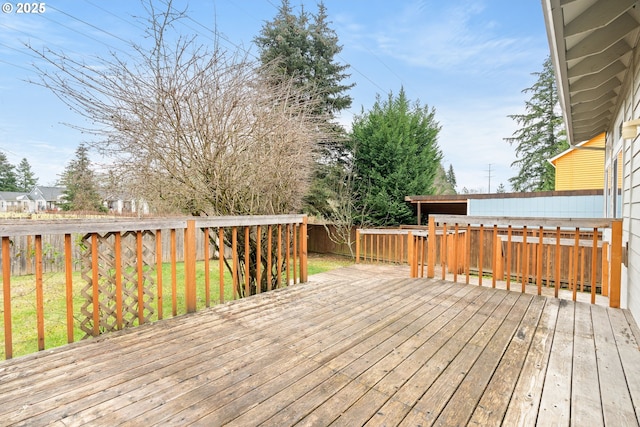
{"points": [[23, 301]]}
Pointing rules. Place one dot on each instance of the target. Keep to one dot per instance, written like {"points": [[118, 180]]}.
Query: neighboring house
{"points": [[11, 201], [581, 167], [47, 198], [594, 48], [125, 204]]}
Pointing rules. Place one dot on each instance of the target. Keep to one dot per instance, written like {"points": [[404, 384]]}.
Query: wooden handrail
{"points": [[537, 233], [536, 251], [122, 267]]}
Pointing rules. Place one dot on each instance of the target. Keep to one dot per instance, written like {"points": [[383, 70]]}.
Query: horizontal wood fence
{"points": [[568, 254], [121, 268]]}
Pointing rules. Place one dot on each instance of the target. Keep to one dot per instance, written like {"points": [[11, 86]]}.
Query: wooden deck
{"points": [[356, 346]]}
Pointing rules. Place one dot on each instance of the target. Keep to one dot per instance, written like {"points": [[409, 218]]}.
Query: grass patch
{"points": [[23, 301]]}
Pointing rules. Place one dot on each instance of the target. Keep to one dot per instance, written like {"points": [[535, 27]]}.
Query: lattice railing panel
{"points": [[107, 287]]}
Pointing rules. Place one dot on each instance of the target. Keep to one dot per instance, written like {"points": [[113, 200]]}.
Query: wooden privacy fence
{"points": [[579, 255], [122, 268]]}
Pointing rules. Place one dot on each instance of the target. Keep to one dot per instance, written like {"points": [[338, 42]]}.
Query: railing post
{"points": [[95, 277], [68, 263], [6, 296], [39, 293], [410, 250], [303, 251], [616, 264], [140, 276], [431, 248], [357, 246], [190, 265]]}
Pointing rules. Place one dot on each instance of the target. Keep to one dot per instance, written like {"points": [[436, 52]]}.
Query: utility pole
{"points": [[489, 171]]}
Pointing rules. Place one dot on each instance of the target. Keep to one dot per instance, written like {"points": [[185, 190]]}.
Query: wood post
{"points": [[94, 284], [68, 270], [6, 296], [594, 257], [221, 263], [174, 273], [480, 253], [140, 268], [159, 271], [258, 259], [207, 268], [616, 264], [557, 261], [234, 254], [509, 234], [431, 248], [410, 255], [190, 266], [247, 257], [605, 269], [303, 251], [118, 268], [269, 260], [357, 246], [279, 257], [539, 261], [39, 293]]}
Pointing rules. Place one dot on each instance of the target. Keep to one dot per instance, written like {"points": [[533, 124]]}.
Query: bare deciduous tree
{"points": [[191, 129]]}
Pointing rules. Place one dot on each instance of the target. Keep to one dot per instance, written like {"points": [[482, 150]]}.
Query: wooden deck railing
{"points": [[121, 281], [578, 255]]}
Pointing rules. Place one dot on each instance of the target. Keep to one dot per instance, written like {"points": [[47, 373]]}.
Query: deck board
{"points": [[364, 345]]}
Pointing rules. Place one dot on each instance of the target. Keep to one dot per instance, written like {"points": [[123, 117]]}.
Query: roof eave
{"points": [[554, 24]]}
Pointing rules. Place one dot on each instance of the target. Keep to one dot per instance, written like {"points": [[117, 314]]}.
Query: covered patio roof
{"points": [[591, 42]]}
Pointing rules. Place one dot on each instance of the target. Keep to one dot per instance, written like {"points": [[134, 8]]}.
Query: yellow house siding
{"points": [[581, 169]]}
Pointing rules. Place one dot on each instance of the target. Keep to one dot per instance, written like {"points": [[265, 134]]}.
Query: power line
{"points": [[88, 24], [81, 33]]}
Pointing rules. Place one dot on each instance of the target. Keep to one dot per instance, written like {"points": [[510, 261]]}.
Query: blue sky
{"points": [[469, 59]]}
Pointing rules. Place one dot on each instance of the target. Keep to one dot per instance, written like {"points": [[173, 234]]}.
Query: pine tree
{"points": [[81, 189], [441, 184], [501, 189], [396, 154], [541, 135], [25, 177], [451, 176], [8, 180], [305, 47]]}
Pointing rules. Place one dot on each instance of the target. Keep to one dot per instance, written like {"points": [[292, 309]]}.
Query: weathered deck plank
{"points": [[555, 403], [525, 401], [355, 347], [585, 372], [493, 405], [616, 400]]}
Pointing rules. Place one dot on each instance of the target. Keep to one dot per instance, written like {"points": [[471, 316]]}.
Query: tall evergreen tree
{"points": [[81, 189], [25, 177], [451, 176], [8, 180], [396, 154], [441, 184], [305, 47], [541, 135]]}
